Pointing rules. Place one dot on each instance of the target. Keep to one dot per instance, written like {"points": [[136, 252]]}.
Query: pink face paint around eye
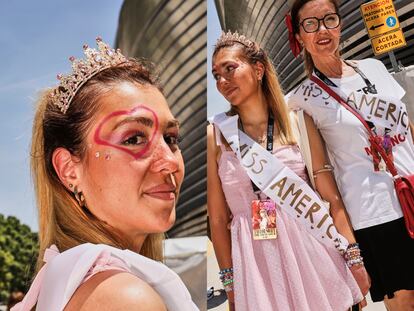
{"points": [[135, 155]]}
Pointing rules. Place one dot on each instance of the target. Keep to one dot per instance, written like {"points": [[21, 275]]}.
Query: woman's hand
{"points": [[362, 278], [363, 303]]}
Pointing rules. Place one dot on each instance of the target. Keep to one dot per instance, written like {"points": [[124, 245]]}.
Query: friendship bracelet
{"points": [[353, 245], [227, 270], [353, 255], [355, 262], [228, 288], [352, 252], [226, 278]]}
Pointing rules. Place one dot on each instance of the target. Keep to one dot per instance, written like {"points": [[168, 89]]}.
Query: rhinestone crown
{"points": [[83, 69], [234, 37]]}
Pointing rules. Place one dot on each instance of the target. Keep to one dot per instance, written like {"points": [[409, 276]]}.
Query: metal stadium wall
{"points": [[173, 34]]}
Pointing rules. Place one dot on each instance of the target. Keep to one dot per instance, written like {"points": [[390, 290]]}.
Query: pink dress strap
{"points": [[106, 262], [32, 295], [219, 141]]}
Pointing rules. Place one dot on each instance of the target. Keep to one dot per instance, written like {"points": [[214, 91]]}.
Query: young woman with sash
{"points": [[364, 182], [256, 180]]}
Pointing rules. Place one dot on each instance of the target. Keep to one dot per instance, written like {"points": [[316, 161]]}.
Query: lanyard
{"points": [[269, 139], [370, 88]]}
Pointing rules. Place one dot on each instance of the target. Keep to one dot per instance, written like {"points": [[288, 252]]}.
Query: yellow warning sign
{"points": [[388, 42], [380, 17]]}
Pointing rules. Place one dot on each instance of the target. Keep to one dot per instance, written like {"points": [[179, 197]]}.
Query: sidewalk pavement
{"points": [[219, 301]]}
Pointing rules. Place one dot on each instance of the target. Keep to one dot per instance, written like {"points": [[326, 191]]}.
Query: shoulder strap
{"points": [[372, 139], [304, 146]]}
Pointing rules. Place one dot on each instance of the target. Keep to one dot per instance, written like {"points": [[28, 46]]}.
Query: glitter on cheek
{"points": [[107, 156], [97, 154]]}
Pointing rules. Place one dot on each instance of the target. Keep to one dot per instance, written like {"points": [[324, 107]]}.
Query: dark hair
{"points": [[253, 53], [294, 13], [14, 298], [62, 221]]}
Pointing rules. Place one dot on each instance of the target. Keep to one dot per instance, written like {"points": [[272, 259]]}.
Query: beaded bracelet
{"points": [[222, 271], [353, 255], [354, 262], [228, 285], [226, 278]]}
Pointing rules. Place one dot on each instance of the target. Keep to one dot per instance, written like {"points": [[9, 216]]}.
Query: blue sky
{"points": [[36, 39]]}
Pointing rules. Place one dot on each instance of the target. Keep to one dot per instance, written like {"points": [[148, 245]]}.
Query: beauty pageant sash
{"points": [[281, 184], [383, 111]]}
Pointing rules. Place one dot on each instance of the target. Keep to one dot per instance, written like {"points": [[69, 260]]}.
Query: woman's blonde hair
{"points": [[253, 53], [62, 221]]}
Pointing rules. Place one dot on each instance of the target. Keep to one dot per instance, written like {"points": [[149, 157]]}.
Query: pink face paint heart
{"points": [[99, 140]]}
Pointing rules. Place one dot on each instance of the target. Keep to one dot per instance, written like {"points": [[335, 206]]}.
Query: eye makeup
{"points": [[226, 69], [125, 135]]}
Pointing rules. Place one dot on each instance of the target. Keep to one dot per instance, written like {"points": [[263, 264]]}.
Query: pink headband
{"points": [[293, 42]]}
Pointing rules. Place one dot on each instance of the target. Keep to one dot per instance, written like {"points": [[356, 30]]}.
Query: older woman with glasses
{"points": [[344, 101]]}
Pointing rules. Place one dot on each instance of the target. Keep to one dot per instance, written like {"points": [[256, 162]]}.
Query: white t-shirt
{"points": [[369, 196]]}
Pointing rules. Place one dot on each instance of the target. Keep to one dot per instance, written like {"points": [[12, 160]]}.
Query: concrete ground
{"points": [[219, 301]]}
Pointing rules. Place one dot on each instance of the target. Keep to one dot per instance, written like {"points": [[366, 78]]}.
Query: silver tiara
{"points": [[83, 69], [235, 37]]}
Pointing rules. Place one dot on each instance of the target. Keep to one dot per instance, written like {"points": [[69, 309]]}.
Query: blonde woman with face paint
{"points": [[291, 265], [107, 172], [365, 182]]}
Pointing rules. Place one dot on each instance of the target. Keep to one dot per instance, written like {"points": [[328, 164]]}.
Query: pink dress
{"points": [[295, 272]]}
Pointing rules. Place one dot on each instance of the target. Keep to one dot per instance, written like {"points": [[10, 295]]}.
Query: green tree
{"points": [[18, 254]]}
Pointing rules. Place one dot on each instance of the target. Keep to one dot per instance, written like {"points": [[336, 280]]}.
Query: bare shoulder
{"points": [[211, 139], [115, 290], [211, 135]]}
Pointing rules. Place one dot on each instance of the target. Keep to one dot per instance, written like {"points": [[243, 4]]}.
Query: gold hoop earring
{"points": [[80, 198]]}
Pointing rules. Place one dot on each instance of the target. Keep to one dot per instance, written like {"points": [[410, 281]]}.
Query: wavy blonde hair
{"points": [[62, 221], [271, 88]]}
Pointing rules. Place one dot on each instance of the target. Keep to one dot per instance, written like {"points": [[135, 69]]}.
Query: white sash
{"points": [[281, 184], [383, 111]]}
